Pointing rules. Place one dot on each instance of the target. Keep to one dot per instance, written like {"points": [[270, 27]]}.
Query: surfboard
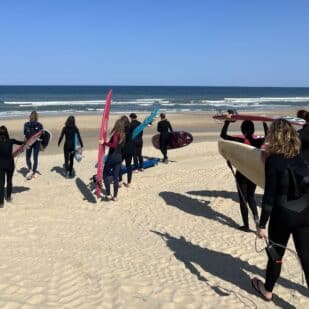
{"points": [[248, 160], [145, 123], [45, 139], [235, 117], [101, 149], [28, 143], [177, 139], [78, 151], [150, 162]]}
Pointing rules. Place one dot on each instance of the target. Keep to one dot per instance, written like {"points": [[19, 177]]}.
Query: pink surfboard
{"points": [[101, 150], [235, 117], [30, 141]]}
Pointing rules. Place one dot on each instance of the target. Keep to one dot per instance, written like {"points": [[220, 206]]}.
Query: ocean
{"points": [[18, 101]]}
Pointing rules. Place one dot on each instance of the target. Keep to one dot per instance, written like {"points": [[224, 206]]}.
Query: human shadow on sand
{"points": [[24, 171], [19, 189], [223, 266], [85, 191], [196, 207], [222, 193], [59, 170]]}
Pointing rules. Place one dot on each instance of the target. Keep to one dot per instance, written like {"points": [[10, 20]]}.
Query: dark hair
{"points": [[162, 116], [70, 122], [301, 114], [247, 128], [306, 117], [33, 116], [4, 134], [133, 116], [125, 120]]}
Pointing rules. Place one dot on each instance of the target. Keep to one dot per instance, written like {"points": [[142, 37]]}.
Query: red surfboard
{"points": [[101, 150], [30, 141], [235, 117]]}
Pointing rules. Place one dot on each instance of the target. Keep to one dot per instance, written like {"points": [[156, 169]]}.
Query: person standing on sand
{"points": [[7, 164], [245, 187], [138, 144], [114, 159], [127, 150], [283, 147], [69, 131], [31, 127], [164, 127]]}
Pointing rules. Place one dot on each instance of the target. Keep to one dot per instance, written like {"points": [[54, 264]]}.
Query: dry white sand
{"points": [[170, 241]]}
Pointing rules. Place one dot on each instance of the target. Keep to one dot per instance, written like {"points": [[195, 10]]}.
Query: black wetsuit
{"points": [[127, 154], [245, 187], [7, 167], [68, 148], [113, 163], [138, 145], [30, 128], [283, 222], [164, 127], [304, 138]]}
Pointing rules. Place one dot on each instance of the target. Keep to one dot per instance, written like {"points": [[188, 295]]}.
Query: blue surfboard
{"points": [[77, 149], [145, 123], [150, 162]]}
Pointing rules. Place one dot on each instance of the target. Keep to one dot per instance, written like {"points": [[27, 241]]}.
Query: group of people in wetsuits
{"points": [[286, 149], [121, 148]]}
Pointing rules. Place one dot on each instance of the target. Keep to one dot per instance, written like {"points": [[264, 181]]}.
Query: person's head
{"points": [[133, 116], [33, 116], [301, 114], [283, 139], [162, 116], [247, 128], [119, 128], [70, 122], [4, 134], [125, 120]]}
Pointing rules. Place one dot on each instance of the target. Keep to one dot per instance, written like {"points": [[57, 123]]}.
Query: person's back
{"points": [[139, 138]]}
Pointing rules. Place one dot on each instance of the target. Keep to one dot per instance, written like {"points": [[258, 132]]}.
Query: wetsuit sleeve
{"points": [[40, 126], [79, 138], [115, 142], [266, 129], [26, 130], [159, 127], [61, 137], [224, 134], [269, 192], [16, 142], [170, 127]]}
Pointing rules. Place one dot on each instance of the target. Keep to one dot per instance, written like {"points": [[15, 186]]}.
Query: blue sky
{"points": [[162, 42]]}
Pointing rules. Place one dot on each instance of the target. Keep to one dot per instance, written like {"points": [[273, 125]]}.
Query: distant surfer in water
{"points": [[114, 159], [69, 131], [127, 150], [30, 128], [138, 144], [164, 127], [245, 187], [7, 165], [283, 147]]}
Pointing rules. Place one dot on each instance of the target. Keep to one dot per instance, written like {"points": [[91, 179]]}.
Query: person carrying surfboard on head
{"points": [[138, 144], [165, 128], [7, 164], [245, 187], [30, 128], [282, 166], [69, 131], [127, 150], [114, 159]]}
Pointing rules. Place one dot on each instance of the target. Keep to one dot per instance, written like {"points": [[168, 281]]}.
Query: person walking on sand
{"points": [[245, 187], [7, 164], [127, 150], [283, 148], [164, 128], [138, 144], [69, 131], [30, 128], [114, 159]]}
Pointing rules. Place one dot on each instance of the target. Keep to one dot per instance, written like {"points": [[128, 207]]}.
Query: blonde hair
{"points": [[33, 116], [282, 139], [119, 128]]}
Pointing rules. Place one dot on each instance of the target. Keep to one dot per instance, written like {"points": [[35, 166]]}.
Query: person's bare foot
{"points": [[259, 287]]}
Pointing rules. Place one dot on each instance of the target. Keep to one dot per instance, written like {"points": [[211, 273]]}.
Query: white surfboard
{"points": [[248, 161]]}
